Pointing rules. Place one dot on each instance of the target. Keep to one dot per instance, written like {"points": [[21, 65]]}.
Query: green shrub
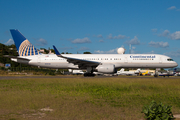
{"points": [[158, 111], [51, 73]]}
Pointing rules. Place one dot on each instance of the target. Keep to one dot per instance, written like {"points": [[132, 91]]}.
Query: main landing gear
{"points": [[89, 72], [89, 75], [155, 75], [156, 72]]}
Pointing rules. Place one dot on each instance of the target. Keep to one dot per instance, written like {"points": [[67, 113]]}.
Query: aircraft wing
{"points": [[81, 63], [16, 57]]}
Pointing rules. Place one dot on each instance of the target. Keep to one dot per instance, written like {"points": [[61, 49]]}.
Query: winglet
{"points": [[57, 52]]}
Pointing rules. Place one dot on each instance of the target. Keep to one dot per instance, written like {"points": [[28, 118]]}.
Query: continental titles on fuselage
{"points": [[142, 56]]}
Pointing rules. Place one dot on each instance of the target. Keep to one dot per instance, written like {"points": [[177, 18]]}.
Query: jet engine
{"points": [[106, 68]]}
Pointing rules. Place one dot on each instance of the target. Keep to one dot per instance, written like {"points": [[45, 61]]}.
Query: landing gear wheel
{"points": [[155, 75], [89, 75]]}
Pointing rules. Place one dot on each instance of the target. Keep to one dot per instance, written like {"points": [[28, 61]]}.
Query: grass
{"points": [[85, 98]]}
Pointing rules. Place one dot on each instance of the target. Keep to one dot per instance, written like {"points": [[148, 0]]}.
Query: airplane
{"points": [[122, 72], [76, 72], [145, 73], [102, 63], [177, 74], [164, 74]]}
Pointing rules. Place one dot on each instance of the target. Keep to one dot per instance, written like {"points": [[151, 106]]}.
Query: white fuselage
{"points": [[118, 60]]}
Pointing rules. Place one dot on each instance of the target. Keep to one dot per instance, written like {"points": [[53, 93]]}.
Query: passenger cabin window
{"points": [[170, 59]]}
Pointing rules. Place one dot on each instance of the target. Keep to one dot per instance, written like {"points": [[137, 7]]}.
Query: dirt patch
{"points": [[177, 116], [47, 109], [38, 114]]}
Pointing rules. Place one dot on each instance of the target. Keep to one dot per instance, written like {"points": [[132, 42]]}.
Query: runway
{"points": [[80, 76], [24, 77]]}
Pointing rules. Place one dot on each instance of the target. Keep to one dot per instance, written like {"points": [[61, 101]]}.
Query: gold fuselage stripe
{"points": [[23, 46], [25, 49], [33, 50]]}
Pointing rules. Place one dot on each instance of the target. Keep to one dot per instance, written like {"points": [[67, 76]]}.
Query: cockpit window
{"points": [[169, 59]]}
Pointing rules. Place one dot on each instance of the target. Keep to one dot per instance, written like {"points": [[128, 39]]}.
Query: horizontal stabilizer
{"points": [[16, 57]]}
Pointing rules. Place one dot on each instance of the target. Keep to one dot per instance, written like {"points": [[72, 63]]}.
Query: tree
{"points": [[52, 50], [87, 53]]}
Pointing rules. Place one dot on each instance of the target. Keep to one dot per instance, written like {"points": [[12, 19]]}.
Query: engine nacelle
{"points": [[106, 68]]}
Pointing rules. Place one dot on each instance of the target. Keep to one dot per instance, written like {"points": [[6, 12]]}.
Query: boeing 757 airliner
{"points": [[102, 63]]}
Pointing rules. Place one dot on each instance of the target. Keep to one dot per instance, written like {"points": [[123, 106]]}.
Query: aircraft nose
{"points": [[175, 64]]}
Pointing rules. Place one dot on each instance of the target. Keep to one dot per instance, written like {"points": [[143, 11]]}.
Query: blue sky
{"points": [[97, 26]]}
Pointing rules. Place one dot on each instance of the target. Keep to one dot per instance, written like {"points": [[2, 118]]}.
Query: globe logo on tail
{"points": [[27, 49]]}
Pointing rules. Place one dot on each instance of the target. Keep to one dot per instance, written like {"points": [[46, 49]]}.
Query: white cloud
{"points": [[172, 8], [154, 30], [99, 52], [116, 37], [83, 49], [80, 41], [173, 54], [9, 42], [133, 50], [165, 33], [133, 41], [151, 52], [101, 41], [159, 44], [175, 36], [113, 51], [110, 36], [66, 48], [41, 42], [99, 36]]}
